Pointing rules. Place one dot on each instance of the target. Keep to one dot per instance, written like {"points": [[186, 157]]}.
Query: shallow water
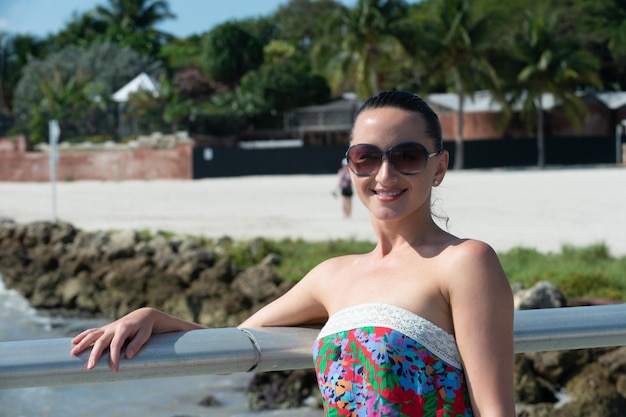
{"points": [[163, 397]]}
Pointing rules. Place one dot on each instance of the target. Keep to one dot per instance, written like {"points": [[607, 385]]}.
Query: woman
{"points": [[420, 326]]}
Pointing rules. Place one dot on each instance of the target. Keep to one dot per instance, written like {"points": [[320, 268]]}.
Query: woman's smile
{"points": [[387, 195]]}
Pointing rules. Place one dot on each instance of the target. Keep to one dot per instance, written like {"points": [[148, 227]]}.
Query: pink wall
{"points": [[17, 164]]}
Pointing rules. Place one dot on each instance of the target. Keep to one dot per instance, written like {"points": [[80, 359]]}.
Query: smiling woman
{"points": [[407, 327]]}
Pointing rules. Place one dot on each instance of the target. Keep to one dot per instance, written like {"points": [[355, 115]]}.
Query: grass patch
{"points": [[588, 271], [299, 257]]}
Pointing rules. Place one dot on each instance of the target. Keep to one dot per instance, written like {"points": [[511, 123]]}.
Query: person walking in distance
{"points": [[345, 188], [421, 326]]}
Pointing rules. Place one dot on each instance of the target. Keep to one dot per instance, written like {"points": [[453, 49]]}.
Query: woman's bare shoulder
{"points": [[471, 261], [331, 266], [469, 250]]}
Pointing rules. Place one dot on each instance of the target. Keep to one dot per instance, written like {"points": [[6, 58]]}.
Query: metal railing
{"points": [[219, 351]]}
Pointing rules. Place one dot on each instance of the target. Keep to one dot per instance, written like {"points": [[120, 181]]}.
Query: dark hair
{"points": [[405, 100]]}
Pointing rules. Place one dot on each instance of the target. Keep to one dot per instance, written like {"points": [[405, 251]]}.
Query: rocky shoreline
{"points": [[62, 269]]}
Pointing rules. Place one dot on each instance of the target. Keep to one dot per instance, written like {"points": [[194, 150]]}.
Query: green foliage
{"points": [[229, 52], [180, 54], [218, 123], [147, 234], [357, 41], [297, 257], [300, 22], [265, 93], [457, 42], [282, 86], [73, 86], [577, 271], [588, 271], [247, 253], [548, 62], [426, 46], [131, 23]]}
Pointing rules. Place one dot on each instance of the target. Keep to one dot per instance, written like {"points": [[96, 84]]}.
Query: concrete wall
{"points": [[142, 163]]}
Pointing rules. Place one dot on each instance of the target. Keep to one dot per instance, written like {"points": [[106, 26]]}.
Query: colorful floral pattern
{"points": [[378, 371]]}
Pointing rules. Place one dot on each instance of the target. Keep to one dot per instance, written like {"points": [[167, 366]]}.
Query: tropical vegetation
{"points": [[245, 74]]}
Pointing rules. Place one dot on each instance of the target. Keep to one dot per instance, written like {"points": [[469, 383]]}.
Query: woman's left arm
{"points": [[482, 311]]}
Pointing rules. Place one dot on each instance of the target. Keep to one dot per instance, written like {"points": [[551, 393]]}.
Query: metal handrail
{"points": [[218, 351]]}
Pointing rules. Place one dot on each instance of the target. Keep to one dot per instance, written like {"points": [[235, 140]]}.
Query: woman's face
{"points": [[387, 193]]}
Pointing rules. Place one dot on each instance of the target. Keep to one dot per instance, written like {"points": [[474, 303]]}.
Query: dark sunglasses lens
{"points": [[364, 159], [409, 158]]}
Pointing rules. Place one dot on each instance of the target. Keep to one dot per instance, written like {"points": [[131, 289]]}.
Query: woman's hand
{"points": [[136, 328]]}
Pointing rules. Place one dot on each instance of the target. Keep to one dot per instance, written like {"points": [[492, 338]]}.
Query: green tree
{"points": [[229, 52], [358, 40], [147, 110], [180, 54], [457, 41], [131, 22], [83, 30], [134, 15], [300, 21], [548, 63], [15, 52], [76, 72], [601, 27], [278, 86]]}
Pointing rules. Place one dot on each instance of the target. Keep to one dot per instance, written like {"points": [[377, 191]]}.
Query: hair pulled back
{"points": [[407, 101]]}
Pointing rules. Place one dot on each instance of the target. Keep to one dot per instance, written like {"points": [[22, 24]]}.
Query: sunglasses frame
{"points": [[387, 154]]}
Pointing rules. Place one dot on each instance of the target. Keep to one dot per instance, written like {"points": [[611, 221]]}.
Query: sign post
{"points": [[54, 132]]}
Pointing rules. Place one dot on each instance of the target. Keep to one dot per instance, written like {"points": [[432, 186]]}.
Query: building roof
{"points": [[612, 99], [483, 102], [141, 82], [480, 102]]}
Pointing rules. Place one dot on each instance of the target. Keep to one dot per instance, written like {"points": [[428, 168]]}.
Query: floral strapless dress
{"points": [[382, 360]]}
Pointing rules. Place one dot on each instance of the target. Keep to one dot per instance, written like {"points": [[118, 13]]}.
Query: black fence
{"points": [[326, 159]]}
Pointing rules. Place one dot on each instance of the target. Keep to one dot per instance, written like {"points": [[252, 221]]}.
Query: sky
{"points": [[44, 17]]}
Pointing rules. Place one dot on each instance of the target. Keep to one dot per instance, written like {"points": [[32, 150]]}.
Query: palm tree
{"points": [[549, 63], [131, 22], [359, 39], [134, 15], [457, 45]]}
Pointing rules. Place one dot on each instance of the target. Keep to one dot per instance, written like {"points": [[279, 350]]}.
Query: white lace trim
{"points": [[425, 332]]}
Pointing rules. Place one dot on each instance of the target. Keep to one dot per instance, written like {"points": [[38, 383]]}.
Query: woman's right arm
{"points": [[299, 306], [134, 328]]}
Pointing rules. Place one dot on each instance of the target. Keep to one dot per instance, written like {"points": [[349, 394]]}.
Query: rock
{"points": [[530, 388], [593, 394], [121, 245], [210, 401], [281, 389], [615, 360], [542, 295], [258, 283]]}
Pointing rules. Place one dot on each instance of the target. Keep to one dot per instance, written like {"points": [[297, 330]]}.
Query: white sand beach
{"points": [[542, 209]]}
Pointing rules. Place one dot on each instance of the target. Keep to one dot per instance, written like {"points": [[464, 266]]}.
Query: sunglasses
{"points": [[407, 158]]}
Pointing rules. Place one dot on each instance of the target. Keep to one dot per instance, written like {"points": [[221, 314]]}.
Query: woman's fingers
{"points": [[141, 337], [100, 344], [115, 349], [84, 340]]}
